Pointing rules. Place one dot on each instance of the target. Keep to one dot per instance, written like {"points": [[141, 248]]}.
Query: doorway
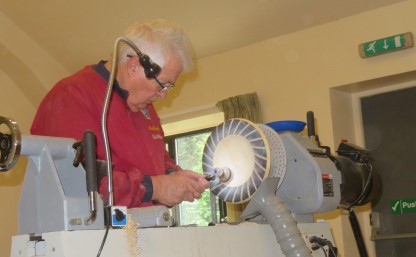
{"points": [[351, 107], [389, 121]]}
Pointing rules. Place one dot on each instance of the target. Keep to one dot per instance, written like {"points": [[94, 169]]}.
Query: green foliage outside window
{"points": [[189, 151]]}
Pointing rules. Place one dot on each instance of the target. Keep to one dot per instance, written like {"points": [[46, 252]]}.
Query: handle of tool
{"points": [[90, 161], [310, 123]]}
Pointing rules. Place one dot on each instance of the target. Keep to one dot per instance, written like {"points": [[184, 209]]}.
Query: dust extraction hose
{"points": [[272, 208]]}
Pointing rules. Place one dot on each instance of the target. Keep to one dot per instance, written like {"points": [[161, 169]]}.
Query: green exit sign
{"points": [[386, 45], [403, 206]]}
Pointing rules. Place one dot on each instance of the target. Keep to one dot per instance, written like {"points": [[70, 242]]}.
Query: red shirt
{"points": [[137, 144]]}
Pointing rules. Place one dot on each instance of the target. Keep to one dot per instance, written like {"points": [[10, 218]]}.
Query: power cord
{"points": [[320, 243], [103, 242]]}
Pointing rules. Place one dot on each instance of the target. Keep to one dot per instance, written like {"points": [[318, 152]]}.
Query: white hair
{"points": [[158, 39]]}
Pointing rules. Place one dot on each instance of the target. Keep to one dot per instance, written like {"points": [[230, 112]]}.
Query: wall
{"points": [[292, 74], [27, 72]]}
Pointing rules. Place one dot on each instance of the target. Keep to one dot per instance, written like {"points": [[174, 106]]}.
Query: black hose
{"points": [[357, 233]]}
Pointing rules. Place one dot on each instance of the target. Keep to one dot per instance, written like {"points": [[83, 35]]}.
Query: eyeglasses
{"points": [[164, 88]]}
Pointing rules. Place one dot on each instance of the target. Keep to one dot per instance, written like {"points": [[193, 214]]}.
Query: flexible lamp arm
{"points": [[151, 70]]}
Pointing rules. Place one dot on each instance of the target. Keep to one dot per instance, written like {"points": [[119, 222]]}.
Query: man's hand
{"points": [[183, 185]]}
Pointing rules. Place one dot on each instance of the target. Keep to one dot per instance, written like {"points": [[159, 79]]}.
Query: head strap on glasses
{"points": [[151, 69]]}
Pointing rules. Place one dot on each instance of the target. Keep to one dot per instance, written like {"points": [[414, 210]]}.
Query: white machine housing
{"points": [[312, 181]]}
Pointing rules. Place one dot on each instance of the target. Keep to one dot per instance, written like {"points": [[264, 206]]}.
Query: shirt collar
{"points": [[105, 74]]}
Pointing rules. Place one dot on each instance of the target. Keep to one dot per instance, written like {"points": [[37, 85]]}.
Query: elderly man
{"points": [[143, 172]]}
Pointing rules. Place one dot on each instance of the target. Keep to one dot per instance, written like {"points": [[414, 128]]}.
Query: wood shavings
{"points": [[132, 236]]}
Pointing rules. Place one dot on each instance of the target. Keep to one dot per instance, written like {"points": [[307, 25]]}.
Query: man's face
{"points": [[144, 91]]}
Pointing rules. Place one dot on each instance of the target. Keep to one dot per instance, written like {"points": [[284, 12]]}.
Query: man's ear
{"points": [[132, 65]]}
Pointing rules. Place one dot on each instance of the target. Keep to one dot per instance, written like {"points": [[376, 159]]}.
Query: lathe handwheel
{"points": [[10, 145]]}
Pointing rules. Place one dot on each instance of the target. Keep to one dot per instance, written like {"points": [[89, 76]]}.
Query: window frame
{"points": [[172, 151]]}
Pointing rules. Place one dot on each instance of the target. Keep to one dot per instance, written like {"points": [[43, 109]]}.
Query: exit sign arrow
{"points": [[386, 45]]}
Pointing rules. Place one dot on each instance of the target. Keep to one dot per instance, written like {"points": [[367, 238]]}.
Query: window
{"points": [[187, 149]]}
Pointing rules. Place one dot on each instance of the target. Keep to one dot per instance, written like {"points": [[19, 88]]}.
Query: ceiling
{"points": [[80, 32]]}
